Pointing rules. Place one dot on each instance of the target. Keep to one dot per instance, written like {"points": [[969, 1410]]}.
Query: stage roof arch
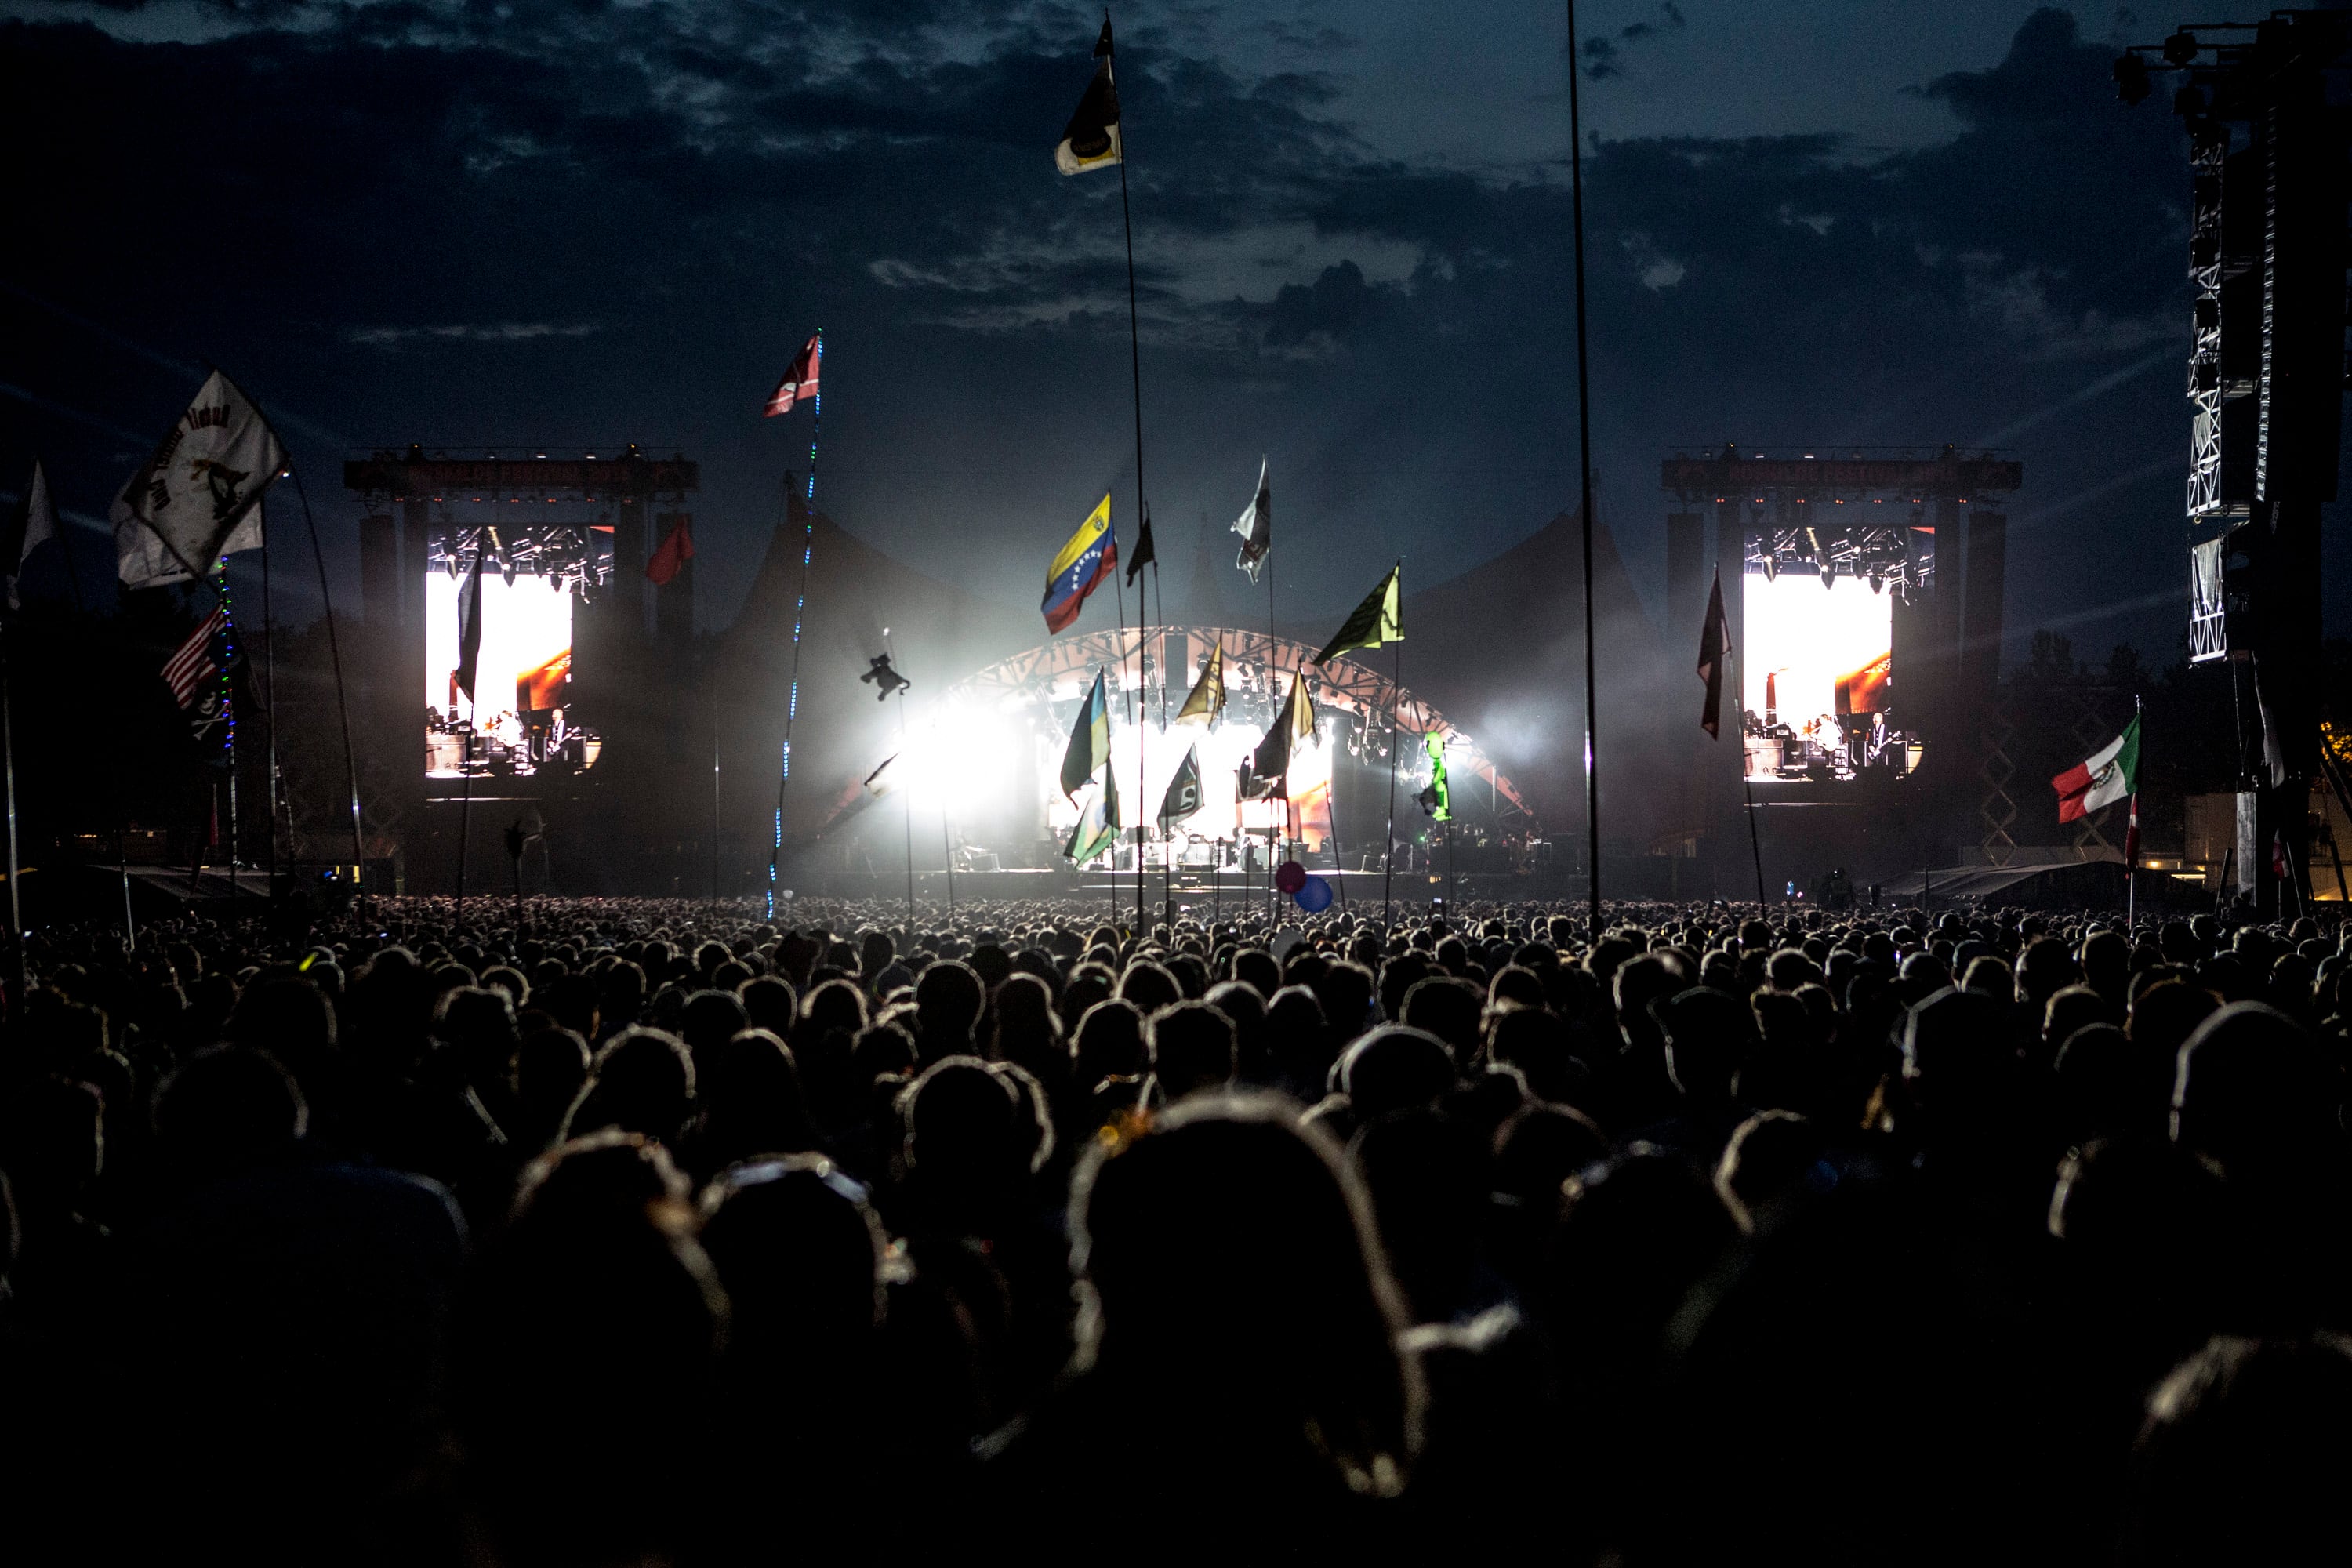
{"points": [[1256, 666]]}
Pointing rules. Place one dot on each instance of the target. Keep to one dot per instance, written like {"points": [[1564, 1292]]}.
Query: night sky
{"points": [[541, 226]]}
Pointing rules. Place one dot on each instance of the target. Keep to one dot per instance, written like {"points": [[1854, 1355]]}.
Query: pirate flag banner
{"points": [[194, 501], [1183, 797], [1090, 141]]}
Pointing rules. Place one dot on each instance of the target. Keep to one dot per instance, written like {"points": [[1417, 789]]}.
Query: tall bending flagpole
{"points": [[1135, 365], [815, 353], [1584, 462]]}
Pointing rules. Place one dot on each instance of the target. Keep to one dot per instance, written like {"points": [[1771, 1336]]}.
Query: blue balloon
{"points": [[1314, 895]]}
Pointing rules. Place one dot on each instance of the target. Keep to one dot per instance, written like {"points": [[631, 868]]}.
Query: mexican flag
{"points": [[2109, 774]]}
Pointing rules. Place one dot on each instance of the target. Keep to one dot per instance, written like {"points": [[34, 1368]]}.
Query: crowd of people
{"points": [[624, 1232]]}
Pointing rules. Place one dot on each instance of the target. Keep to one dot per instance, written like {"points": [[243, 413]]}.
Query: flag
{"points": [[676, 549], [1184, 796], [1437, 797], [1714, 648], [1375, 623], [470, 629], [1090, 141], [33, 521], [191, 666], [1293, 722], [2107, 776], [1145, 554], [800, 382], [1091, 555], [1255, 525], [193, 501], [2131, 836], [882, 781], [1090, 746], [1098, 824], [1207, 703]]}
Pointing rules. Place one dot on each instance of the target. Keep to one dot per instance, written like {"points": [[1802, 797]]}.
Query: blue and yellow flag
{"points": [[1090, 556], [1090, 746], [1098, 824]]}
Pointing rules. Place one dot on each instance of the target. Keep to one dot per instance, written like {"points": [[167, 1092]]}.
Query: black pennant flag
{"points": [[1146, 553], [1714, 647], [469, 627]]}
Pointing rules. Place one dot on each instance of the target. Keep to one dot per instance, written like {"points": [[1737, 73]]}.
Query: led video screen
{"points": [[519, 724], [1818, 695]]}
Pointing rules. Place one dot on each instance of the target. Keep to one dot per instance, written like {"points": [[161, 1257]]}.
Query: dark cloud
{"points": [[601, 223], [1602, 55]]}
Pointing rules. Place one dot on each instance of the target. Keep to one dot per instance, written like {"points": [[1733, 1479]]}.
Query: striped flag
{"points": [[186, 671]]}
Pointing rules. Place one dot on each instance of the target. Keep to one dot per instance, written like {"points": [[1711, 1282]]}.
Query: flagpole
{"points": [[228, 715], [122, 811], [1396, 699], [907, 801], [1584, 455], [342, 706], [464, 816], [799, 606], [270, 683], [712, 672], [8, 744], [1754, 849], [1135, 367]]}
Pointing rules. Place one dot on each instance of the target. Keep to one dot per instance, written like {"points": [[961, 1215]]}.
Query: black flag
{"points": [[1183, 797], [1714, 647], [469, 627], [1090, 141], [1145, 554]]}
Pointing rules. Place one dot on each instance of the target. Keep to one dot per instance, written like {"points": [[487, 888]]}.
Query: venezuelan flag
{"points": [[1091, 555]]}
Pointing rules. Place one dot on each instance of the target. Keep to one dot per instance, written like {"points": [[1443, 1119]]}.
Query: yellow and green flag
{"points": [[1098, 824], [1376, 623], [1090, 746], [1207, 703]]}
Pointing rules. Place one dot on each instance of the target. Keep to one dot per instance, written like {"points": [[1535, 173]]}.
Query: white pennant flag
{"points": [[194, 501], [33, 522], [1255, 525]]}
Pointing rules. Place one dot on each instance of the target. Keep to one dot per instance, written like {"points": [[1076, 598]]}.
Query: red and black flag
{"points": [[800, 383], [676, 549]]}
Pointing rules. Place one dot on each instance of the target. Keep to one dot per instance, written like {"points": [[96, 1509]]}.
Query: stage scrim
{"points": [[981, 757]]}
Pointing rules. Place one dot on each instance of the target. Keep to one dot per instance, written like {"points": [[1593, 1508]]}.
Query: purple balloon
{"points": [[1290, 876]]}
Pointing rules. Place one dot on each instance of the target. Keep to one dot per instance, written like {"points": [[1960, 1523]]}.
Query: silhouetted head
{"points": [[227, 1110], [641, 1081], [1709, 1036], [1192, 1050], [2254, 1093], [1395, 1068], [2244, 1454], [800, 1251], [1229, 1265]]}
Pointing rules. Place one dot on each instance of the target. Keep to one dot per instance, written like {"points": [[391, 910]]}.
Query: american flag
{"points": [[186, 671]]}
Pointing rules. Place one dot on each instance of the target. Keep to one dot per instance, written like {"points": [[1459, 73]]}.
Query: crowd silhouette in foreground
{"points": [[638, 1233]]}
